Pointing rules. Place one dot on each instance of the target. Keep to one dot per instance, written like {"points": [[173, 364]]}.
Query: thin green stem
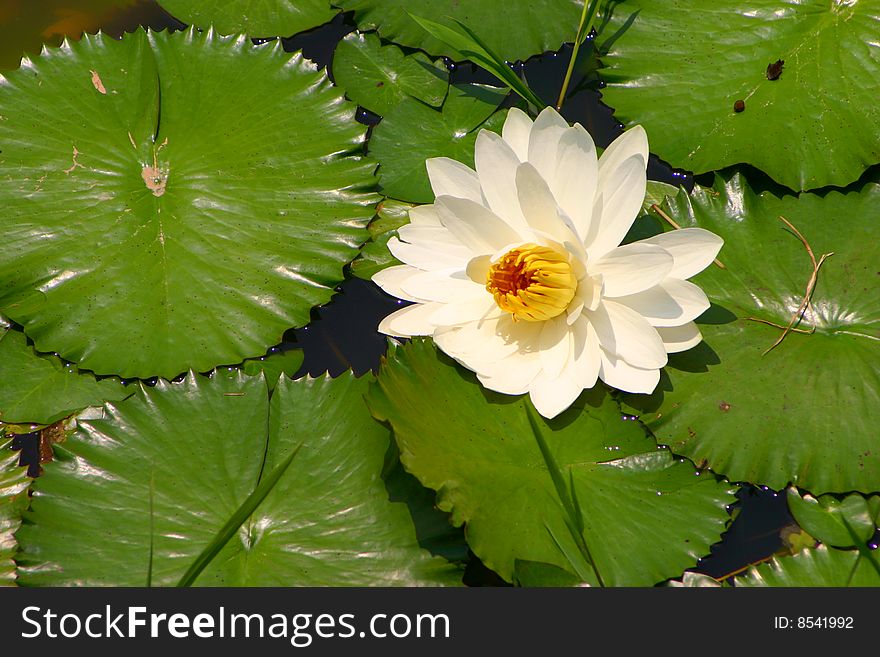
{"points": [[578, 40]]}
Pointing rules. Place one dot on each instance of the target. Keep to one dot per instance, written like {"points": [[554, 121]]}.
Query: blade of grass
{"points": [[585, 26], [235, 521], [864, 551], [580, 565], [574, 520], [465, 41]]}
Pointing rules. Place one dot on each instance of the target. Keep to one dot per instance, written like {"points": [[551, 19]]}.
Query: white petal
{"points": [[680, 338], [511, 376], [539, 206], [631, 268], [424, 215], [431, 235], [671, 303], [430, 256], [445, 285], [478, 269], [555, 346], [552, 395], [451, 178], [619, 374], [632, 142], [475, 344], [618, 201], [391, 280], [410, 321], [496, 165], [544, 141], [587, 352], [465, 310], [625, 333], [574, 184], [477, 227], [515, 132], [693, 249]]}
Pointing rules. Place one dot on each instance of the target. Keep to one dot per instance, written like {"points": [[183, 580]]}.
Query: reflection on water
{"points": [[25, 25]]}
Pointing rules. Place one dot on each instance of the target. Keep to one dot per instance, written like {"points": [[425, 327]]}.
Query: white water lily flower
{"points": [[517, 272]]}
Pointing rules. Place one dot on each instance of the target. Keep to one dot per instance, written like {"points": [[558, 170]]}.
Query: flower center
{"points": [[533, 283]]}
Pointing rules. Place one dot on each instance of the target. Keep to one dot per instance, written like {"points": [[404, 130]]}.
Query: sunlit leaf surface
{"points": [[14, 484], [806, 412], [379, 77], [647, 516], [678, 68], [514, 30], [134, 498], [40, 388], [167, 202], [256, 18]]}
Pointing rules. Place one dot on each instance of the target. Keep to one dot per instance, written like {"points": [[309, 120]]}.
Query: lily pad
{"points": [[256, 18], [822, 566], [412, 132], [14, 484], [160, 477], [156, 217], [379, 77], [278, 360], [41, 388], [646, 516], [849, 522], [374, 255], [806, 412], [514, 30], [812, 126]]}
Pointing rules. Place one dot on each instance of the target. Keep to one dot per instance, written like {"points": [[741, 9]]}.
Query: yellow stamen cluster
{"points": [[533, 283]]}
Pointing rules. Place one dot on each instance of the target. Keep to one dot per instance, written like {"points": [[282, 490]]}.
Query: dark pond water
{"points": [[343, 334]]}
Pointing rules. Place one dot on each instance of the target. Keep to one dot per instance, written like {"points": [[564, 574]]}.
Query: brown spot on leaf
{"points": [[739, 106], [692, 433], [51, 435], [724, 406], [96, 82], [774, 70], [155, 179]]}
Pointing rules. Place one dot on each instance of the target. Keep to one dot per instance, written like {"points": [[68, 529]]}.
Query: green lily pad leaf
{"points": [[274, 364], [277, 361], [646, 515], [41, 388], [256, 18], [656, 192], [138, 246], [157, 500], [807, 411], [812, 126], [433, 528], [822, 566], [374, 255], [844, 523], [412, 132], [14, 484], [535, 574], [379, 77], [513, 30]]}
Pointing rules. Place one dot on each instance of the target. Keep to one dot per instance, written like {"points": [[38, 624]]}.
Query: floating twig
{"points": [[671, 222], [780, 326], [811, 284]]}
